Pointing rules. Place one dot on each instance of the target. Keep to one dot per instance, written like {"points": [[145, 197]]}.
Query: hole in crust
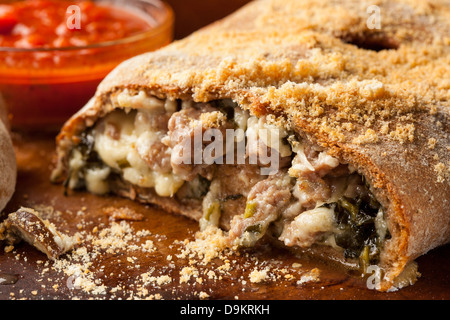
{"points": [[373, 42]]}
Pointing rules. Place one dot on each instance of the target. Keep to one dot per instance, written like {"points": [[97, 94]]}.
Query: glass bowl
{"points": [[42, 87]]}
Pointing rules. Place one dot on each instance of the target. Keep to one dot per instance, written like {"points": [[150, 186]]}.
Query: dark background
{"points": [[191, 15]]}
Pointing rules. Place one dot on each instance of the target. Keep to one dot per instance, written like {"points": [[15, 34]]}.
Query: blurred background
{"points": [[42, 89], [191, 15]]}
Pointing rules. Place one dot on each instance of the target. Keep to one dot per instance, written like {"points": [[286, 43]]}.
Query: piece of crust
{"points": [[8, 165]]}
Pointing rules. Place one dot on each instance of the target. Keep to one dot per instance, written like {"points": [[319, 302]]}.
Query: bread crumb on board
{"points": [[123, 213], [197, 264]]}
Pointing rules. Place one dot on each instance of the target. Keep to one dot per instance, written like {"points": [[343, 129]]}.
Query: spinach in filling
{"points": [[89, 159], [358, 234]]}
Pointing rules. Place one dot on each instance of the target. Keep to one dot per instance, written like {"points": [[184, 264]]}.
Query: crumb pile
{"points": [[149, 266]]}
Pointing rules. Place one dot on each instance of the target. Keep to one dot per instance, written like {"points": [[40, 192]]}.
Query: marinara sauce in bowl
{"points": [[54, 53]]}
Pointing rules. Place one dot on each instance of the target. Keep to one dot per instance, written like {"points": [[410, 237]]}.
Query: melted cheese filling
{"points": [[121, 152]]}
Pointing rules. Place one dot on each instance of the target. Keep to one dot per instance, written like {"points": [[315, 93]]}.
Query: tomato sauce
{"points": [[61, 23], [54, 53]]}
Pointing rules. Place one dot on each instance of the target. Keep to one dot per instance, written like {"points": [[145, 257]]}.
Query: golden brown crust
{"points": [[385, 112], [8, 167]]}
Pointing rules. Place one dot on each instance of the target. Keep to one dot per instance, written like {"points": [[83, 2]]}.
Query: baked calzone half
{"points": [[311, 123]]}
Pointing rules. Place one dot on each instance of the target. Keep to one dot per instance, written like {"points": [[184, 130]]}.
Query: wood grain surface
{"points": [[112, 264]]}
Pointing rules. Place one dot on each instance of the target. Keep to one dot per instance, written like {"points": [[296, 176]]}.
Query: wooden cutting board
{"points": [[156, 255]]}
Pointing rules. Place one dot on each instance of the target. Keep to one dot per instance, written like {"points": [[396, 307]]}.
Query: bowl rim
{"points": [[167, 22]]}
